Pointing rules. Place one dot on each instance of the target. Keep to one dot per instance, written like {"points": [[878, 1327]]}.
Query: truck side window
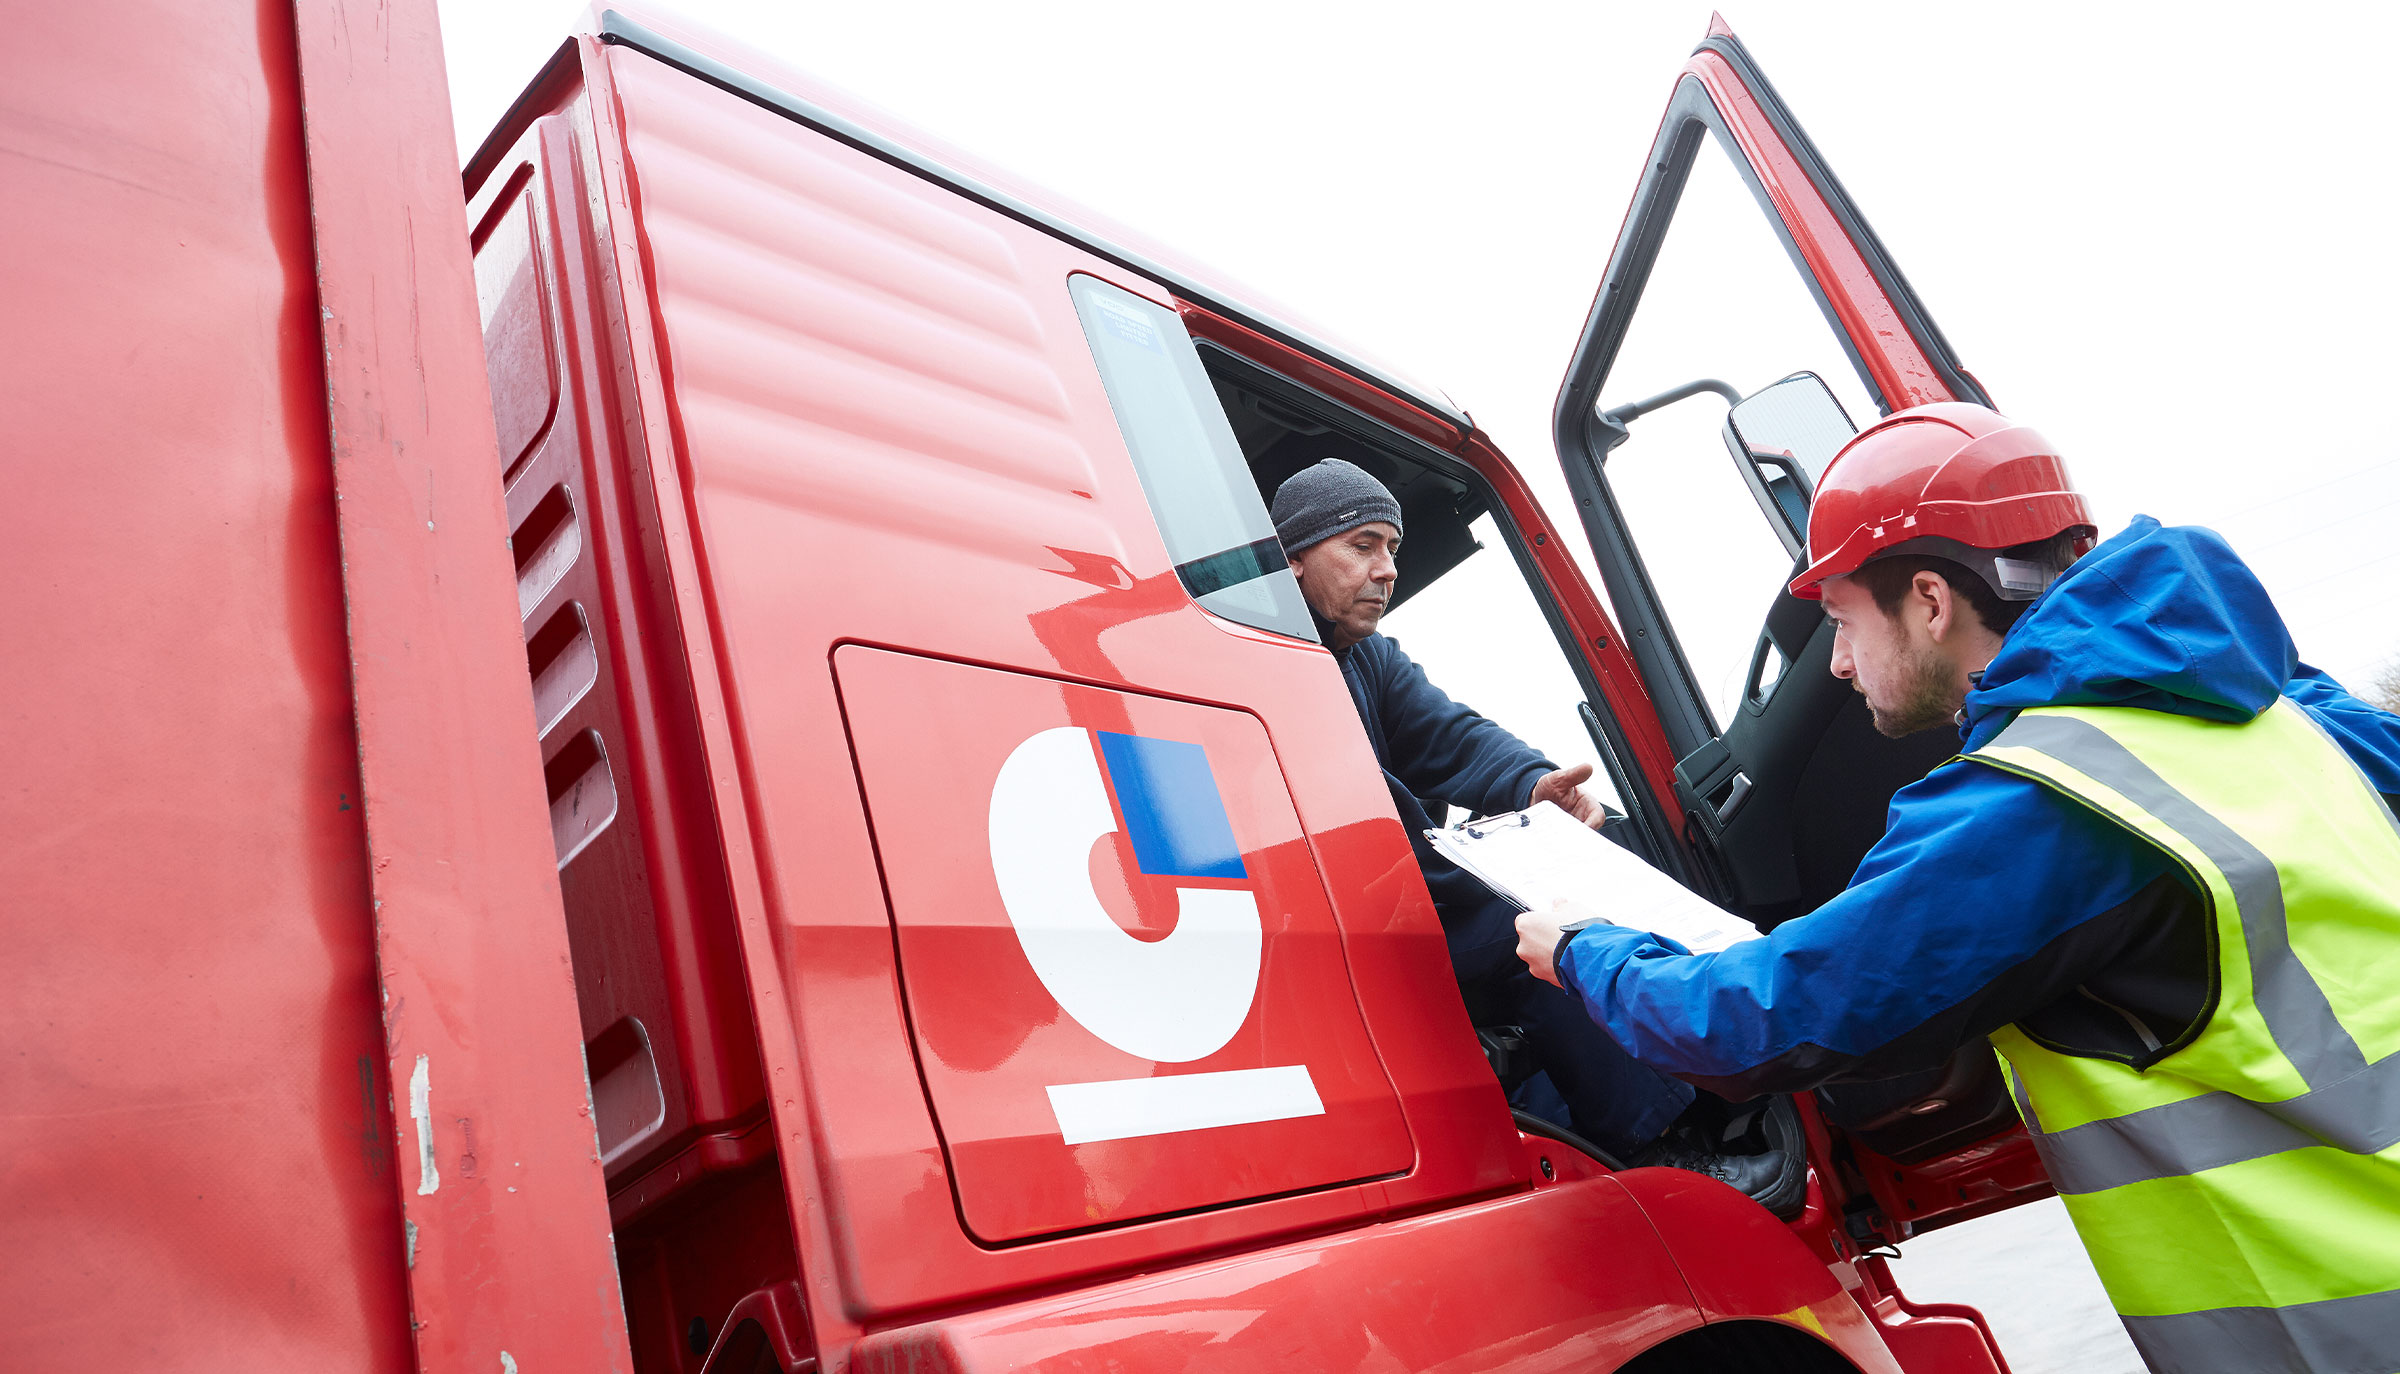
{"points": [[1200, 493]]}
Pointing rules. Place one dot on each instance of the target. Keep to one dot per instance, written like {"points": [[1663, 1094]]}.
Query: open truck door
{"points": [[1708, 391]]}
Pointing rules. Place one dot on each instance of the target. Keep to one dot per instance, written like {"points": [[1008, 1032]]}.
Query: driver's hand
{"points": [[1564, 786], [1537, 936]]}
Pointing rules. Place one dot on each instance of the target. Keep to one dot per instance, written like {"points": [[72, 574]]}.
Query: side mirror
{"points": [[1782, 438]]}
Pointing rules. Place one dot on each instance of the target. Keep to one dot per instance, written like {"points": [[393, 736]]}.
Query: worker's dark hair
{"points": [[1888, 579]]}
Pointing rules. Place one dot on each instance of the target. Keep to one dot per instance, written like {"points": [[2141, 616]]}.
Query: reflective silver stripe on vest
{"points": [[2288, 998], [2358, 1335], [2033, 1124], [2360, 1114]]}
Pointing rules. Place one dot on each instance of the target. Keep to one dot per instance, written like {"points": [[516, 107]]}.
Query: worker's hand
{"points": [[1537, 936], [1565, 787]]}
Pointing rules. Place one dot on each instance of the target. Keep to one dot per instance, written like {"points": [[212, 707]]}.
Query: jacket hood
{"points": [[2164, 618]]}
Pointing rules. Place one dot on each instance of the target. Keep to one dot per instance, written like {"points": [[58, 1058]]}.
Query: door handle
{"points": [[1736, 793]]}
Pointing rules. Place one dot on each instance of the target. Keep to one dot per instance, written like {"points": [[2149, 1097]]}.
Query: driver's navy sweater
{"points": [[1435, 750], [1992, 899]]}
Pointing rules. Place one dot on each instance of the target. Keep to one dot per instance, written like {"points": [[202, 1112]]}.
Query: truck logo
{"points": [[1172, 1000]]}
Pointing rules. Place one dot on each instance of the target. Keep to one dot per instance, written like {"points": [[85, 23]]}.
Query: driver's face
{"points": [[1348, 579]]}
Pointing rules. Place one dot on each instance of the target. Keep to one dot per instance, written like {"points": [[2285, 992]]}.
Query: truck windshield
{"points": [[1200, 492]]}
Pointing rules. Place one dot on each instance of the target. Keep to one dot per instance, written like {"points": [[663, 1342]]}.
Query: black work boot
{"points": [[1756, 1147]]}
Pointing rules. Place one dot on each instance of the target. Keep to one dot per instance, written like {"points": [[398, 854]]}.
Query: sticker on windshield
{"points": [[1126, 323]]}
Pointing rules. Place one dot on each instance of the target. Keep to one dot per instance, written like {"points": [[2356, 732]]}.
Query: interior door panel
{"points": [[1819, 781]]}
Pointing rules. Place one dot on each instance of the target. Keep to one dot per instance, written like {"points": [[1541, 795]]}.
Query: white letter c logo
{"points": [[1171, 1000]]}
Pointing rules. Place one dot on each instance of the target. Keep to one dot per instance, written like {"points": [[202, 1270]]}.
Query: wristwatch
{"points": [[1558, 952]]}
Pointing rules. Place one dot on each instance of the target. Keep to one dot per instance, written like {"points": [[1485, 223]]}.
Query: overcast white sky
{"points": [[2163, 235]]}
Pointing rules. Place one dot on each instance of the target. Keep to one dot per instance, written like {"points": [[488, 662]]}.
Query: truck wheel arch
{"points": [[1740, 1347]]}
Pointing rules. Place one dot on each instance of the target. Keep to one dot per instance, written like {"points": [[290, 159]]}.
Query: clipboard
{"points": [[1541, 855]]}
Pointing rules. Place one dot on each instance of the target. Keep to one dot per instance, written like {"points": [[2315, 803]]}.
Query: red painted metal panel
{"points": [[873, 417], [712, 1258], [1627, 697], [196, 1163], [664, 1015], [1893, 356], [1992, 1175], [511, 1264], [1743, 1265], [1240, 339], [1201, 1050], [1928, 1337], [702, 1229], [647, 429], [1566, 1278]]}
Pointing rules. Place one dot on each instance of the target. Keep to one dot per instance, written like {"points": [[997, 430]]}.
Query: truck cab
{"points": [[967, 893]]}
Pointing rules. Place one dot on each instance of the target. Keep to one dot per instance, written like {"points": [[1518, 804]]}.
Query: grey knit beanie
{"points": [[1327, 498]]}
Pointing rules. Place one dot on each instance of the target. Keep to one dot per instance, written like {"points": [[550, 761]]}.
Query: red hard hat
{"points": [[1950, 470]]}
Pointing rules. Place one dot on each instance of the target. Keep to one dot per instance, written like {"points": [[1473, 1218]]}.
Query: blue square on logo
{"points": [[1173, 813]]}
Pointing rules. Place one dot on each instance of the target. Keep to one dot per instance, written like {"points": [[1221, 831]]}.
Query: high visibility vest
{"points": [[2240, 1197]]}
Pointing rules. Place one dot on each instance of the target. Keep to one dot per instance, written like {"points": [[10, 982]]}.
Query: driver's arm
{"points": [[1440, 748]]}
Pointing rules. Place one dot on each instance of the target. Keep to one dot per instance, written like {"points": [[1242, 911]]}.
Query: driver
{"points": [[1341, 530]]}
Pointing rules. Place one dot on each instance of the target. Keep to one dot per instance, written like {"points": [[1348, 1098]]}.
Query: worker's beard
{"points": [[1924, 696]]}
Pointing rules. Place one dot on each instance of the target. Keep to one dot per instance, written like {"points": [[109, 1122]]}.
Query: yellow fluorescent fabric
{"points": [[2241, 1197], [2293, 1227]]}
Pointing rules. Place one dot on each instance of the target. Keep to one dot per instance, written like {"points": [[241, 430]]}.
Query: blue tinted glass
{"points": [[1199, 488]]}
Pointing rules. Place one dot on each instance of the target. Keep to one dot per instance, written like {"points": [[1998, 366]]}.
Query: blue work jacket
{"points": [[1992, 899]]}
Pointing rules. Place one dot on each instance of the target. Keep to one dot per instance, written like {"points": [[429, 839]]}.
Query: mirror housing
{"points": [[1782, 437]]}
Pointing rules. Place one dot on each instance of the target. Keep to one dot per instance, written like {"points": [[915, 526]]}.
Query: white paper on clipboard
{"points": [[1538, 856]]}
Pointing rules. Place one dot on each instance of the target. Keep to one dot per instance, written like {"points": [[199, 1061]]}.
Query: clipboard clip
{"points": [[1483, 829]]}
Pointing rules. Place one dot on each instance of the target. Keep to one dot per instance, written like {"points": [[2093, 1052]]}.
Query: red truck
{"points": [[695, 755]]}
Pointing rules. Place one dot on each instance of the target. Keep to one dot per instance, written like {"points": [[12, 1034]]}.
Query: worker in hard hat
{"points": [[2162, 876]]}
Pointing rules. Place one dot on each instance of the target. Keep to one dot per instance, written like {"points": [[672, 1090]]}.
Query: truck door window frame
{"points": [[1693, 115]]}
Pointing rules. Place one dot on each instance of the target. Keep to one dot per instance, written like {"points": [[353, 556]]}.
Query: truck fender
{"points": [[1566, 1276], [1744, 1265]]}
